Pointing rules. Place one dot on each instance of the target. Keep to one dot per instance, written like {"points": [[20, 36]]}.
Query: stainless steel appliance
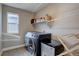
{"points": [[33, 41], [51, 49]]}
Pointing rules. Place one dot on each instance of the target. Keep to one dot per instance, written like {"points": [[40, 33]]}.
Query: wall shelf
{"points": [[45, 21]]}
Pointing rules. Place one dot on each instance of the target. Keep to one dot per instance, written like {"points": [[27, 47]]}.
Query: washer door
{"points": [[31, 46]]}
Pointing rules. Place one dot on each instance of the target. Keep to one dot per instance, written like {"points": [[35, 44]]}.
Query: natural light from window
{"points": [[12, 22]]}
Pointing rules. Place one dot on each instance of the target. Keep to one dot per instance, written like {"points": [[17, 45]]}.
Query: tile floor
{"points": [[23, 52], [16, 52]]}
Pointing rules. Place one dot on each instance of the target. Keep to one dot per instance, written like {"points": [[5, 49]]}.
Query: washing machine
{"points": [[33, 42]]}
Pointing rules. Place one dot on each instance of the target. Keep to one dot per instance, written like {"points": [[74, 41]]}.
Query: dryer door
{"points": [[31, 46]]}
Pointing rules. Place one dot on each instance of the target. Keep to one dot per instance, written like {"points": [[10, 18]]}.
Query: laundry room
{"points": [[39, 29]]}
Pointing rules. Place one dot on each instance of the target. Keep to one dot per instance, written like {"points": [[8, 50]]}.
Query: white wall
{"points": [[0, 26], [25, 25], [66, 18]]}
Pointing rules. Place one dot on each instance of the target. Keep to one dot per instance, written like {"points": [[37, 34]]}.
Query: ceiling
{"points": [[32, 7]]}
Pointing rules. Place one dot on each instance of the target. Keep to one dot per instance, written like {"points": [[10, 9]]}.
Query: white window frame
{"points": [[8, 23]]}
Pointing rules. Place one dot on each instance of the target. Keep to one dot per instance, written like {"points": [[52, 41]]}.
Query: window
{"points": [[12, 23]]}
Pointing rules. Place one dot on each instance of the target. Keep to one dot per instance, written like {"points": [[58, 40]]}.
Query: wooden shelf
{"points": [[43, 22], [50, 21]]}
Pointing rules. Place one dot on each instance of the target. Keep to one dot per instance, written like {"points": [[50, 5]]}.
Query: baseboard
{"points": [[13, 47]]}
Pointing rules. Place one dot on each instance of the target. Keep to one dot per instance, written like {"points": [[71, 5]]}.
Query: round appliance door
{"points": [[31, 47]]}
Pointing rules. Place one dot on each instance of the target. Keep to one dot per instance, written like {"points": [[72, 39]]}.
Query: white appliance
{"points": [[51, 49]]}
